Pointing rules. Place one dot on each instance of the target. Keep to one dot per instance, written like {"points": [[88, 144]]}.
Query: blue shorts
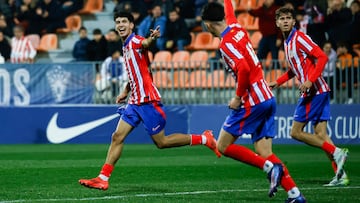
{"points": [[151, 114], [257, 121], [315, 109]]}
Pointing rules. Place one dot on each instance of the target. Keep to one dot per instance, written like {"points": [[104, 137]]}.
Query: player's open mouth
{"points": [[121, 30]]}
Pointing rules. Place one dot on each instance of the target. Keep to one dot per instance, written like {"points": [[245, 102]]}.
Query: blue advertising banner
{"points": [[95, 124], [27, 84]]}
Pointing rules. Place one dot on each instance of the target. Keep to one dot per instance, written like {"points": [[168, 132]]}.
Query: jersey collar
{"points": [[228, 28], [128, 39], [290, 35]]}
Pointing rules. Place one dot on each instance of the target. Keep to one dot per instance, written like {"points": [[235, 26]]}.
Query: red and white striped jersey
{"points": [[137, 66], [307, 61], [242, 62], [21, 50]]}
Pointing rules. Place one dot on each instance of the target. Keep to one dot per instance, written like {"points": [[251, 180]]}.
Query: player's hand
{"points": [[305, 87], [273, 85], [121, 98], [155, 33], [235, 103]]}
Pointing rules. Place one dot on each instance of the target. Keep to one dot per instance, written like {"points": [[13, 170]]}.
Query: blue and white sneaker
{"points": [[340, 159], [299, 199], [274, 177]]}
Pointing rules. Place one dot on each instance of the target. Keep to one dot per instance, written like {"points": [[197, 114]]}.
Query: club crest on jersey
{"points": [[238, 36], [58, 78]]}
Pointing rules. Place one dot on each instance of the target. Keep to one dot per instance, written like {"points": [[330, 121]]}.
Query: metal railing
{"points": [[208, 83]]}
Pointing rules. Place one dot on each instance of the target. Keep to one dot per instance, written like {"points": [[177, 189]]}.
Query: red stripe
{"points": [[247, 113], [159, 109], [307, 109]]}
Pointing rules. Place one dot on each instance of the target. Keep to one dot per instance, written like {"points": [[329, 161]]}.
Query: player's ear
{"points": [[132, 26], [277, 24]]}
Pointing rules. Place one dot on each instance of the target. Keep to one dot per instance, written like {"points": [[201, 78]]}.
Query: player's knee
{"points": [[295, 133], [117, 137]]}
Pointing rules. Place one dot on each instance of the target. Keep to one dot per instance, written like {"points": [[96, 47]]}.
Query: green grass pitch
{"points": [[50, 173]]}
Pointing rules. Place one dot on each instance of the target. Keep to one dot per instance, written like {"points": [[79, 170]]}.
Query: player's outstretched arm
{"points": [[154, 34], [229, 12], [283, 78]]}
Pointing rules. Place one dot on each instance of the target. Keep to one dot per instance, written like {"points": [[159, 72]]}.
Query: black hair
{"points": [[97, 31], [122, 14], [284, 10], [82, 28], [213, 12]]}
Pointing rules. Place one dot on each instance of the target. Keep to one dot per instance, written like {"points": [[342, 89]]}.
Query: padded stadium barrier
{"points": [[95, 123]]}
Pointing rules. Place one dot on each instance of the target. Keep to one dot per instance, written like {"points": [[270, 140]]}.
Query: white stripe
{"points": [[258, 92], [266, 88], [305, 44], [298, 66], [231, 62], [142, 195], [138, 75], [131, 77], [251, 100], [234, 51]]}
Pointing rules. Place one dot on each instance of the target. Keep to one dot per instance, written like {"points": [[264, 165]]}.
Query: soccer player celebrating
{"points": [[143, 105], [307, 62], [253, 106]]}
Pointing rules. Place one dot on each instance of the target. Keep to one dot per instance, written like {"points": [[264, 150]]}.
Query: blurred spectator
{"points": [[113, 77], [177, 33], [330, 66], [113, 42], [96, 49], [271, 36], [345, 71], [315, 20], [26, 17], [52, 16], [338, 21], [355, 23], [7, 30], [80, 46], [151, 22], [22, 50], [8, 8], [5, 48], [71, 6]]}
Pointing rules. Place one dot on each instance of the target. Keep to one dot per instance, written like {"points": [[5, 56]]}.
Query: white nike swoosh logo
{"points": [[56, 134]]}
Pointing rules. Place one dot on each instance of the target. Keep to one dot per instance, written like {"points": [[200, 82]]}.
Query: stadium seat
{"points": [[92, 6], [216, 79], [282, 60], [243, 19], [191, 45], [242, 5], [180, 59], [161, 60], [272, 75], [198, 79], [253, 24], [198, 59], [255, 39], [73, 23], [180, 78], [48, 42], [34, 39], [162, 79], [202, 40], [230, 82], [214, 44]]}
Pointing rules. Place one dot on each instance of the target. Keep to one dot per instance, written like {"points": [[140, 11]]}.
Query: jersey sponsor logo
{"points": [[57, 135], [58, 79]]}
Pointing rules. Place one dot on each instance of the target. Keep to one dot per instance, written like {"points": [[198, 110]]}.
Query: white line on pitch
{"points": [[163, 194]]}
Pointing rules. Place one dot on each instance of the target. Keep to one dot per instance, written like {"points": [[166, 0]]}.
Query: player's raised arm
{"points": [[229, 12], [154, 34]]}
